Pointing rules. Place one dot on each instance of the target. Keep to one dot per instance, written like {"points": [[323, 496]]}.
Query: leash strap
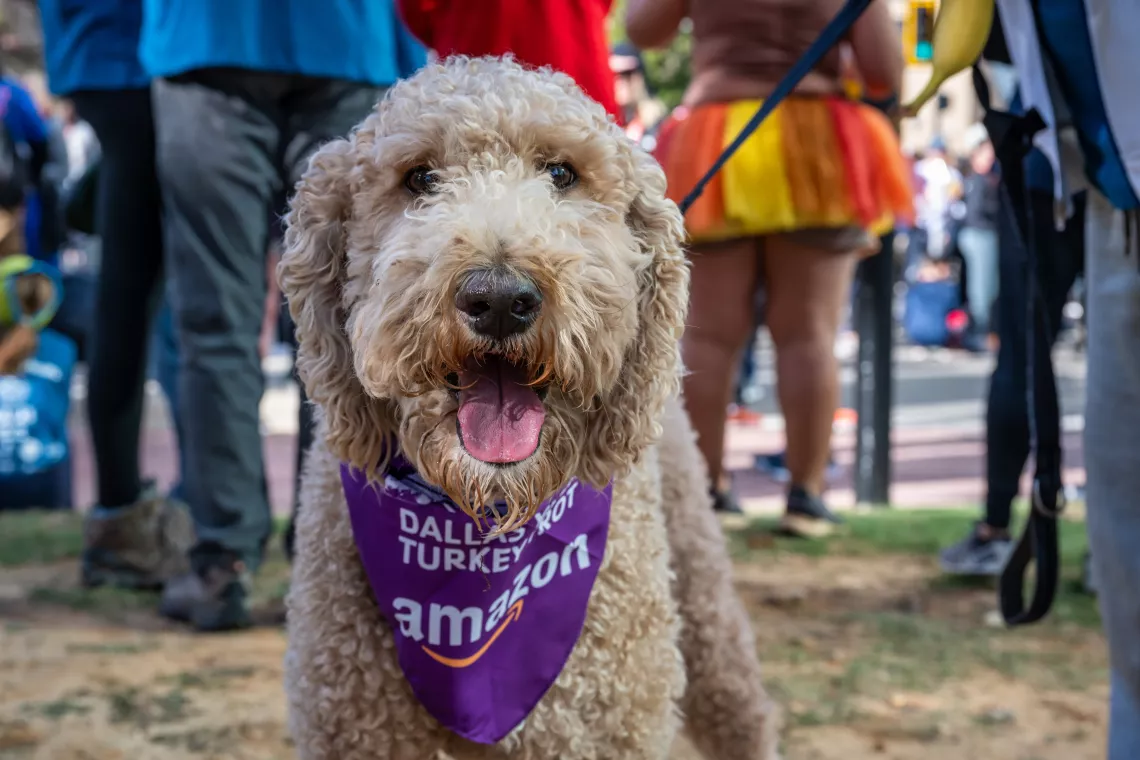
{"points": [[1012, 137], [828, 38]]}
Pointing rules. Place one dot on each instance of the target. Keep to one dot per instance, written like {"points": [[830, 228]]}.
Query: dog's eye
{"points": [[420, 180], [563, 175]]}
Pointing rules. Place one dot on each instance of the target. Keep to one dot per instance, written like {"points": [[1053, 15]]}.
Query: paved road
{"points": [[937, 438], [938, 434], [940, 387]]}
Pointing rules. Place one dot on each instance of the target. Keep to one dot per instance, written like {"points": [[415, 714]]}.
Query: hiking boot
{"points": [[139, 546], [978, 554], [214, 599], [806, 516]]}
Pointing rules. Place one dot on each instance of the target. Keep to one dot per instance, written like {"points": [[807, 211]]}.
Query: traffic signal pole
{"points": [[874, 316], [874, 323]]}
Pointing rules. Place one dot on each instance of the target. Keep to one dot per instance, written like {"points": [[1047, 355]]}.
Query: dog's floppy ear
{"points": [[630, 419], [311, 273]]}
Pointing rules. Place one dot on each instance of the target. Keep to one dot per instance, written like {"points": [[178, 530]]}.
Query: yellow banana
{"points": [[961, 29]]}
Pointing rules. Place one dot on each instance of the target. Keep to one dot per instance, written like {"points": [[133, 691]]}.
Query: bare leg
{"points": [[723, 284], [807, 289]]}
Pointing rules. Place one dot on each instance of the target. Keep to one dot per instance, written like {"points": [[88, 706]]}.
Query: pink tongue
{"points": [[500, 417]]}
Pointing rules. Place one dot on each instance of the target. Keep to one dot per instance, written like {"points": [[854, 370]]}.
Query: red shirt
{"points": [[567, 35]]}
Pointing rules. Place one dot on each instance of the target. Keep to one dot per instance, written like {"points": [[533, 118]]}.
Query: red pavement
{"points": [[159, 461], [932, 466]]}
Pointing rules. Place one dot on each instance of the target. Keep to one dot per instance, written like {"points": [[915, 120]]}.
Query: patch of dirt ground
{"points": [[873, 657]]}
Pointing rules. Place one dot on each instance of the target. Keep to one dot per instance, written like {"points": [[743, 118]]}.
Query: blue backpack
{"points": [[34, 405]]}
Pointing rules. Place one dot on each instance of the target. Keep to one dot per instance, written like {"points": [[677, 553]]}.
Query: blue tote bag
{"points": [[35, 464]]}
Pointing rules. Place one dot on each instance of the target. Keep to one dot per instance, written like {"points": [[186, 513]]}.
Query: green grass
{"points": [[99, 600], [211, 678], [889, 653], [166, 700], [859, 648], [870, 649], [895, 531], [39, 537], [269, 588], [114, 648], [60, 708], [42, 537], [923, 532]]}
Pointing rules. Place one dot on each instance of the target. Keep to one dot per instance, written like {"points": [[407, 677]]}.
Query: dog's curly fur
{"points": [[371, 271]]}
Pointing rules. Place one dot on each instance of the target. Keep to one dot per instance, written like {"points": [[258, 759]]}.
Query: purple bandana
{"points": [[483, 626]]}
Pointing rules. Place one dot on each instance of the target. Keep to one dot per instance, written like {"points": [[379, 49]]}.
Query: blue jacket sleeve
{"points": [[23, 118], [410, 54]]}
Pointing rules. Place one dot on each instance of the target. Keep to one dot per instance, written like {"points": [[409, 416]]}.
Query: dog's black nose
{"points": [[498, 302]]}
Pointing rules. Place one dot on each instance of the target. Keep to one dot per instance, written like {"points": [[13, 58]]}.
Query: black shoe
{"points": [[806, 516], [140, 546], [725, 503], [975, 555], [214, 599]]}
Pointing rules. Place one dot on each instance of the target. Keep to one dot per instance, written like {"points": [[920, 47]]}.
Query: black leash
{"points": [[1012, 137], [828, 38]]}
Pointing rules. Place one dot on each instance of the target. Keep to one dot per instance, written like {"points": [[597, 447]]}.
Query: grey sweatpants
{"points": [[1112, 457], [228, 141]]}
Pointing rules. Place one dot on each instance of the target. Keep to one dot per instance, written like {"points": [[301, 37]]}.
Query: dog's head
{"points": [[488, 273]]}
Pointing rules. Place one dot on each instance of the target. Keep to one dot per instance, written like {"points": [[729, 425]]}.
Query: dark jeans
{"points": [[1007, 417], [165, 361], [129, 287], [229, 141]]}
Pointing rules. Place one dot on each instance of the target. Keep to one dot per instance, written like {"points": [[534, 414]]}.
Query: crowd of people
{"points": [[188, 280], [178, 137]]}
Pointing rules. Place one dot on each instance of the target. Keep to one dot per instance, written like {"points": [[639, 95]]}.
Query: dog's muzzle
{"points": [[497, 303]]}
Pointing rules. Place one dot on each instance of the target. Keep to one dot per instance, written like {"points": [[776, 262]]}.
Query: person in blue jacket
{"points": [[23, 122], [134, 536], [30, 137], [27, 140], [243, 94]]}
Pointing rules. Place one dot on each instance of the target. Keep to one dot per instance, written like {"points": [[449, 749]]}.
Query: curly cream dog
{"points": [[478, 170]]}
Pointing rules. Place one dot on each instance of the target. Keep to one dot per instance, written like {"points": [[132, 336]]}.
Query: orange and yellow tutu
{"points": [[815, 162]]}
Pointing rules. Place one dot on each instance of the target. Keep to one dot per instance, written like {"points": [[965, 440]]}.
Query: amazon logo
{"points": [[437, 626]]}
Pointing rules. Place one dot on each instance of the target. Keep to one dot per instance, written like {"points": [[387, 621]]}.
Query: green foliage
{"points": [[666, 71]]}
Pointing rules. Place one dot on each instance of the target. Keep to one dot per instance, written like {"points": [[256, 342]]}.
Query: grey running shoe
{"points": [[806, 516], [214, 599], [975, 555], [140, 546]]}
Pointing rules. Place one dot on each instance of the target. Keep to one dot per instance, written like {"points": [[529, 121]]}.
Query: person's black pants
{"points": [[1007, 417], [130, 284], [229, 141]]}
